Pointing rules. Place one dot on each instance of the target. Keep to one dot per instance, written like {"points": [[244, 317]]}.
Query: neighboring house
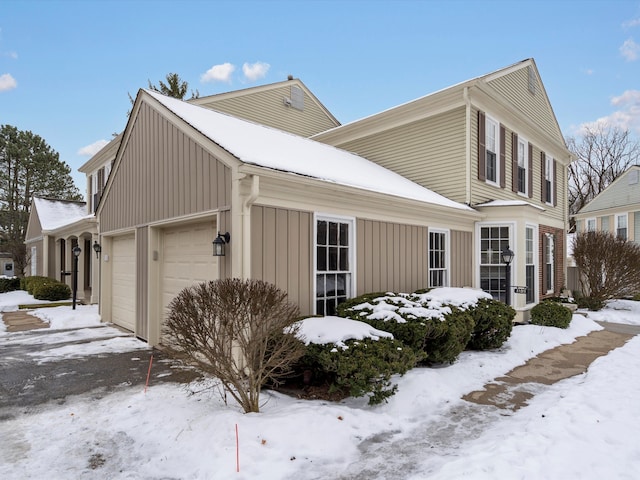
{"points": [[6, 264], [55, 228], [616, 209], [319, 222], [493, 143]]}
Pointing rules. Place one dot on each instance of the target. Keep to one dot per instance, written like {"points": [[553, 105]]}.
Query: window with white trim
{"points": [[438, 258], [548, 178], [334, 263], [621, 226], [492, 143], [492, 271], [523, 164], [591, 225], [549, 261], [530, 266]]}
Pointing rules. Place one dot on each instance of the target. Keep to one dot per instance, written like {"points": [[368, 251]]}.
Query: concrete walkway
{"points": [[22, 321], [513, 390]]}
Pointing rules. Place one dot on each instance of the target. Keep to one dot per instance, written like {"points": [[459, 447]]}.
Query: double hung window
{"points": [[621, 226], [523, 162], [438, 259], [492, 139]]}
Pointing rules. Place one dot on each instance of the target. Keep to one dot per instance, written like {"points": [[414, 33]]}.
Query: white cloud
{"points": [[627, 115], [7, 82], [218, 73], [254, 71], [631, 23], [630, 50], [91, 150]]}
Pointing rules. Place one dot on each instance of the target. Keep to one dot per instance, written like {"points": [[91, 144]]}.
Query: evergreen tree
{"points": [[28, 167], [174, 87]]}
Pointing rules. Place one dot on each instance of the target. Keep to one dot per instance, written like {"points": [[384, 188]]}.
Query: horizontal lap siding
{"points": [[427, 152], [268, 108], [281, 252], [162, 174], [390, 257], [483, 191], [515, 87]]}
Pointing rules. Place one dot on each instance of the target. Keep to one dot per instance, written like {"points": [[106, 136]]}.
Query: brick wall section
{"points": [[559, 242]]}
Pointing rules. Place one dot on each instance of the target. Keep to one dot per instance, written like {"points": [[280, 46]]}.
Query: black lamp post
{"points": [[218, 244], [76, 253], [507, 258]]}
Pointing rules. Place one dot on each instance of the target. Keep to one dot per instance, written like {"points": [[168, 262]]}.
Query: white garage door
{"points": [[187, 258], [123, 258]]}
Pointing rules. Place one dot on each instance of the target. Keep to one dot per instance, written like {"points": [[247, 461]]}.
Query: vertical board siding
{"points": [[390, 257], [157, 176], [425, 151], [268, 108], [461, 259], [281, 252], [142, 282]]}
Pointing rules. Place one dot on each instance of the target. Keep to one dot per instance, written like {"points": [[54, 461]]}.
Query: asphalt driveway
{"points": [[41, 366]]}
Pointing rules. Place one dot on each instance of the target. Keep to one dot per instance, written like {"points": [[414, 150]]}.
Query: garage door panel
{"points": [[123, 263], [187, 258]]}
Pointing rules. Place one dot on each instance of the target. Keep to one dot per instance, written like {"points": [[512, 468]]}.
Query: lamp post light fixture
{"points": [[507, 257], [76, 253], [97, 248], [218, 244]]}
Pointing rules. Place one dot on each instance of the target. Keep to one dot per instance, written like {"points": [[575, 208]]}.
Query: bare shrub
{"points": [[609, 266], [241, 331]]}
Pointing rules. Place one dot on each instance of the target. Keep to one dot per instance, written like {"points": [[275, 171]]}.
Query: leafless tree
{"points": [[243, 332], [609, 266], [602, 153]]}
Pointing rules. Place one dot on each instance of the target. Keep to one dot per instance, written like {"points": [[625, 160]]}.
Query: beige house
{"points": [[319, 222], [616, 209], [492, 143], [55, 228]]}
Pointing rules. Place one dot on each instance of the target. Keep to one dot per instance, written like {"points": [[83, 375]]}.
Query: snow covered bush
{"points": [[435, 323], [359, 367], [493, 322], [243, 332], [551, 314]]}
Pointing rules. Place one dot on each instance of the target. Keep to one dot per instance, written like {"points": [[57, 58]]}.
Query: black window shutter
{"points": [[503, 173], [543, 182], [530, 172], [514, 162], [555, 184], [482, 148]]}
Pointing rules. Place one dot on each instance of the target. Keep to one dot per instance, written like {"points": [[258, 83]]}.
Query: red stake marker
{"points": [[237, 451], [148, 374]]}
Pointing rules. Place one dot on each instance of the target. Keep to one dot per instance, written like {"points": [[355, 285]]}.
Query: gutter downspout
{"points": [[246, 225], [467, 101]]}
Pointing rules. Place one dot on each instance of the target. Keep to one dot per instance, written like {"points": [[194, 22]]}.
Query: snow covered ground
{"points": [[583, 427]]}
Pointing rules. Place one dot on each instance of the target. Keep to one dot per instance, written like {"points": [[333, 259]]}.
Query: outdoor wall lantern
{"points": [[76, 253], [507, 257], [97, 248], [218, 244]]}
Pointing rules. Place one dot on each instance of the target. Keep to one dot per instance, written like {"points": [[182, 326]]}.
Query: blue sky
{"points": [[66, 67]]}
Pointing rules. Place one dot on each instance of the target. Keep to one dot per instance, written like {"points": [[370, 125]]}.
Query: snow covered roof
{"points": [[271, 148], [508, 203], [58, 213]]}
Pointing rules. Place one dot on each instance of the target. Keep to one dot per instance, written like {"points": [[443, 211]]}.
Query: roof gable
{"points": [[282, 151], [623, 191], [52, 214], [274, 105]]}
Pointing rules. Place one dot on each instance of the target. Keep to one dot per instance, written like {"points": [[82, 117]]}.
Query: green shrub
{"points": [[493, 322], [591, 303], [52, 290], [30, 283], [551, 314], [446, 339], [344, 309], [364, 367], [9, 284]]}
